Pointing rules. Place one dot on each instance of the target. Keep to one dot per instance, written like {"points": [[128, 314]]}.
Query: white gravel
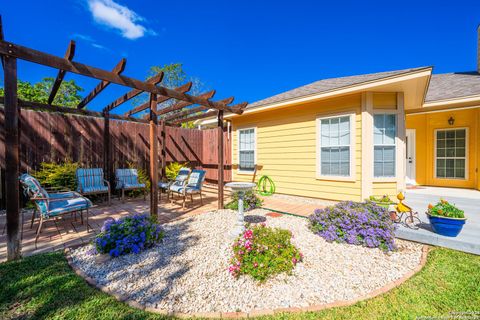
{"points": [[188, 272]]}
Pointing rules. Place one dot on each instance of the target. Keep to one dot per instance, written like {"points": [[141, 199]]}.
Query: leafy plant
{"points": [[250, 201], [262, 252], [172, 169], [383, 199], [445, 209], [359, 223], [57, 175], [128, 235]]}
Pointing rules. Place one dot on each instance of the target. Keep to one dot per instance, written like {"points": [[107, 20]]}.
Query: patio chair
{"points": [[91, 181], [190, 187], [182, 175], [51, 205], [127, 179]]}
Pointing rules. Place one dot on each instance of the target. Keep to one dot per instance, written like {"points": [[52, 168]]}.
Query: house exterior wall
{"points": [[286, 148], [425, 125]]}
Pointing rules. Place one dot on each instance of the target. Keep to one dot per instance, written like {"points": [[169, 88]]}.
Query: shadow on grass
{"points": [[44, 286]]}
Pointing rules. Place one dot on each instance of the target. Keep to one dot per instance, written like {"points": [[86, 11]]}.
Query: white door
{"points": [[410, 157]]}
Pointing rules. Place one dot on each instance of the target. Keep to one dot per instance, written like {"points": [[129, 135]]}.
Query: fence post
{"points": [[107, 151], [12, 159], [220, 159]]}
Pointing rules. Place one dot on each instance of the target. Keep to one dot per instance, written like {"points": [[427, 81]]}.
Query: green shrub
{"points": [[445, 209], [250, 201], [262, 252], [57, 175], [383, 199], [173, 168]]}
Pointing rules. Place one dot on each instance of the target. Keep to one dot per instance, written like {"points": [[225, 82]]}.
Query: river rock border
{"points": [[254, 313]]}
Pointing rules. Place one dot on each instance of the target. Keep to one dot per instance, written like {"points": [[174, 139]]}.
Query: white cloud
{"points": [[116, 16], [89, 40]]}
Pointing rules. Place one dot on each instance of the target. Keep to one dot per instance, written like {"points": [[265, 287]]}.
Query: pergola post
{"points": [[12, 164], [107, 149], [220, 159], [153, 156]]}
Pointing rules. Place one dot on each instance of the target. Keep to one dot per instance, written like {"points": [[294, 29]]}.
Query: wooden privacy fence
{"points": [[56, 137]]}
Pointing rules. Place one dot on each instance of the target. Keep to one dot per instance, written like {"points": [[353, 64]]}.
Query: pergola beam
{"points": [[207, 114], [61, 73], [194, 111], [183, 104], [156, 79], [24, 53], [160, 99], [119, 68]]}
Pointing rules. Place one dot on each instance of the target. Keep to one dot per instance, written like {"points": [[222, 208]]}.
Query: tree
{"points": [[67, 95], [174, 76]]}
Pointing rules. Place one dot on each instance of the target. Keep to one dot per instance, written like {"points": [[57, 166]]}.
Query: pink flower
{"points": [[255, 264], [294, 260], [248, 234]]}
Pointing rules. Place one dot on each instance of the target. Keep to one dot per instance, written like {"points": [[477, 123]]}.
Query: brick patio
{"points": [[66, 231]]}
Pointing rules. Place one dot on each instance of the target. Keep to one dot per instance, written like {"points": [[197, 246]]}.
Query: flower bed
{"points": [[128, 235], [355, 223], [262, 252]]}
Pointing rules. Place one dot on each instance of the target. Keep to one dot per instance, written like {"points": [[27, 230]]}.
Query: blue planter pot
{"points": [[449, 227]]}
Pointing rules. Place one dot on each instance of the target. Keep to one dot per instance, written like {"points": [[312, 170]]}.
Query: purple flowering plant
{"points": [[130, 234], [358, 223], [262, 252]]}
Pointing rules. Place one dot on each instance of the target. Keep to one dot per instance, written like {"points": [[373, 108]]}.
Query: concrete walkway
{"points": [[468, 200]]}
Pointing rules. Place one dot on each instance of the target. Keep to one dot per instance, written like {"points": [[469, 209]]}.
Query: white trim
{"points": [[435, 153], [367, 144], [451, 109], [452, 101], [351, 176], [254, 148]]}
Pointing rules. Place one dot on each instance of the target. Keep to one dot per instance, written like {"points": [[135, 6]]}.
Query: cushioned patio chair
{"points": [[51, 205], [190, 187], [91, 181], [127, 179], [182, 175]]}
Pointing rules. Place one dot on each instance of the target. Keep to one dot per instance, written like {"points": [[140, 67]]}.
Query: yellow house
{"points": [[351, 137]]}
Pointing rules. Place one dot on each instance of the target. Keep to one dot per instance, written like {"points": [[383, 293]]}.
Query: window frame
{"points": [[318, 137], [240, 171], [435, 153], [397, 138]]}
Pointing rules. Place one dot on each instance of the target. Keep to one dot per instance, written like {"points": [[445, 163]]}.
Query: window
{"points": [[384, 145], [335, 145], [451, 152], [246, 149]]}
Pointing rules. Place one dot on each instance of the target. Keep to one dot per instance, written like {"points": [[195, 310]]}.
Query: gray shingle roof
{"points": [[453, 85], [329, 85]]}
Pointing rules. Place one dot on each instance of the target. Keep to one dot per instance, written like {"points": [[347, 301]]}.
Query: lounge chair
{"points": [[51, 205], [182, 175], [127, 179], [91, 181], [190, 187]]}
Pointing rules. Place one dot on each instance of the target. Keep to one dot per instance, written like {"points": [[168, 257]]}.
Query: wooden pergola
{"points": [[185, 108]]}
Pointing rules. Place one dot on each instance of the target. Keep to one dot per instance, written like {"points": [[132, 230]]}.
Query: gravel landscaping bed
{"points": [[188, 272]]}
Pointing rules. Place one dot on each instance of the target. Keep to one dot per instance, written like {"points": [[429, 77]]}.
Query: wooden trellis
{"points": [[185, 108]]}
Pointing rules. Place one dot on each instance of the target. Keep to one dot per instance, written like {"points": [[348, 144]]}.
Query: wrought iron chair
{"points": [[51, 205], [190, 187], [92, 181], [127, 179]]}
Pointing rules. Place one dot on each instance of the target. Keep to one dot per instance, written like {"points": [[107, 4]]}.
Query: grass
{"points": [[44, 287]]}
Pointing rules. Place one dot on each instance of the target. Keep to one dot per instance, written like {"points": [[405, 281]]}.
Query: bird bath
{"points": [[241, 188]]}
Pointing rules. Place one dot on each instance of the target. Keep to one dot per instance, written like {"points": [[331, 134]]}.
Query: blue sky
{"points": [[248, 49]]}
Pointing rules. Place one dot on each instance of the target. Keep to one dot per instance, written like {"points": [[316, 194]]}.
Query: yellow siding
{"points": [[286, 148], [385, 188], [385, 100], [425, 126]]}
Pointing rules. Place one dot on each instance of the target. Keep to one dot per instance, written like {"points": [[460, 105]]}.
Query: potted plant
{"points": [[385, 202], [445, 218]]}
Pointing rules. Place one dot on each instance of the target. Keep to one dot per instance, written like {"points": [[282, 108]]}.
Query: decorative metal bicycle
{"points": [[411, 219]]}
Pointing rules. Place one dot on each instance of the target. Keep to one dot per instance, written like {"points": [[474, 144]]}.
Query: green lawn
{"points": [[44, 287]]}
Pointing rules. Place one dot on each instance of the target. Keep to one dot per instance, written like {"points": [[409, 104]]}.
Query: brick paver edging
{"points": [[254, 313]]}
